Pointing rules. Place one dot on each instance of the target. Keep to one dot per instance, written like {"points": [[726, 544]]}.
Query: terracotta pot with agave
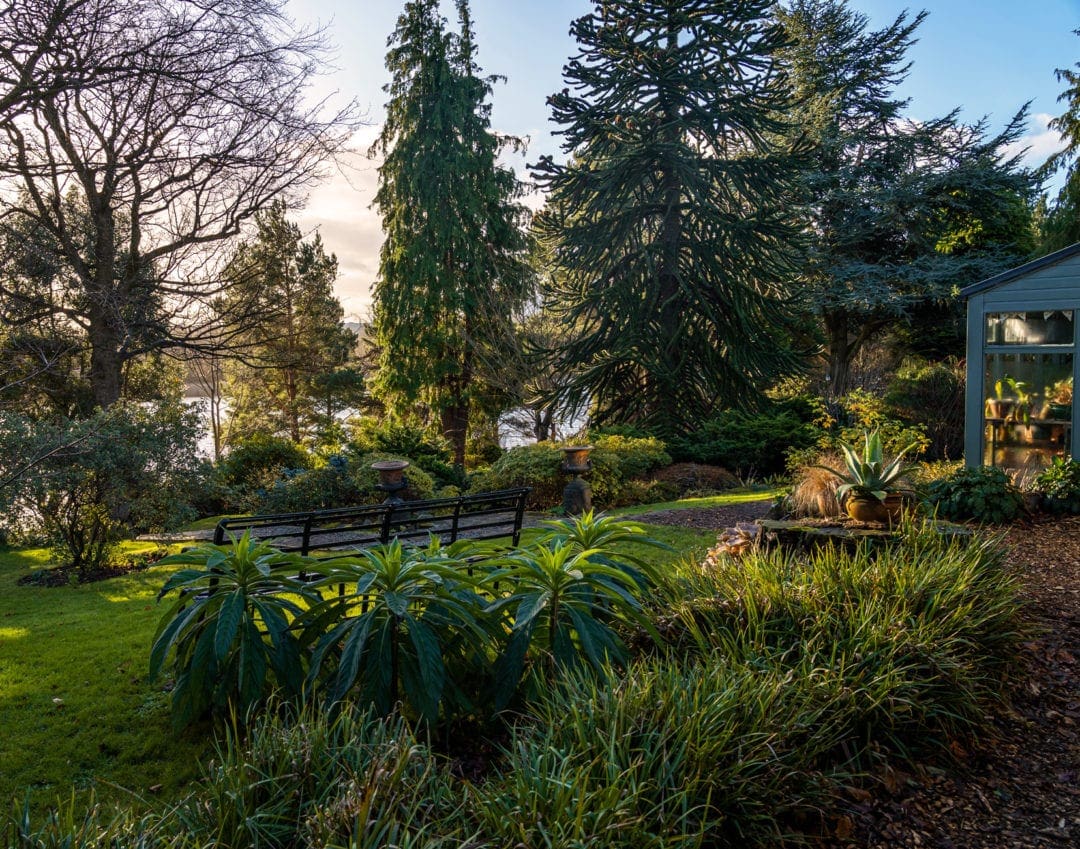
{"points": [[872, 490]]}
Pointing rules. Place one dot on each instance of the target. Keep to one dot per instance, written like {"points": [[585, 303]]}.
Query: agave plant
{"points": [[229, 624], [402, 611], [869, 475]]}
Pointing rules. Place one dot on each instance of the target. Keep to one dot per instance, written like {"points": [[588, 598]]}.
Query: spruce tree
{"points": [[666, 225], [899, 213], [453, 270]]}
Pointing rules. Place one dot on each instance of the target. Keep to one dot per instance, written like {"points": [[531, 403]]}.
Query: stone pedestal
{"points": [[577, 496]]}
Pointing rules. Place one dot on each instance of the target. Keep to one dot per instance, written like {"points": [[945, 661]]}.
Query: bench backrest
{"points": [[485, 515]]}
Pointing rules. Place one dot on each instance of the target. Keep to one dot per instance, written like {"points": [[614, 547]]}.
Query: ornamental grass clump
{"points": [[717, 751], [306, 779], [920, 634]]}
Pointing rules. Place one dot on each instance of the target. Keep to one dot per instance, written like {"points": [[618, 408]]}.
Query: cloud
{"points": [[341, 210], [1039, 144]]}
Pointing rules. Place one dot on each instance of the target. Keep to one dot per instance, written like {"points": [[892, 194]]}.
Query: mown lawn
{"points": [[87, 647], [75, 704]]}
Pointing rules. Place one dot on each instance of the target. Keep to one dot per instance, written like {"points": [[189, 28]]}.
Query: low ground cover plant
{"points": [[980, 493]]}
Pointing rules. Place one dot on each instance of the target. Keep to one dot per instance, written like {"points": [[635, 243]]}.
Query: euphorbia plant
{"points": [[229, 624], [566, 600], [386, 638]]}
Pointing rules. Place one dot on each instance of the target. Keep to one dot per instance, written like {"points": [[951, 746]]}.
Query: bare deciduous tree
{"points": [[137, 137]]}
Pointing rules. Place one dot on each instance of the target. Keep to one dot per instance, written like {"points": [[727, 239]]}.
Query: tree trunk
{"points": [[106, 364], [841, 352], [455, 427]]}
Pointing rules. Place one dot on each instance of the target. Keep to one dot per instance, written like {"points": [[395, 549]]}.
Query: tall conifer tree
{"points": [[453, 268], [301, 338], [666, 225], [899, 213]]}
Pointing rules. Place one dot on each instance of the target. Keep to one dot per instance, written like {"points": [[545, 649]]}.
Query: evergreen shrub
{"points": [[616, 461], [749, 443]]}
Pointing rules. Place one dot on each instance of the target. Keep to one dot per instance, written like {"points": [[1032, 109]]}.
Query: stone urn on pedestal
{"points": [[577, 496], [392, 479]]}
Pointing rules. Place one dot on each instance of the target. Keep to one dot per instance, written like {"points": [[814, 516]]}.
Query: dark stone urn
{"points": [[577, 496], [392, 479]]}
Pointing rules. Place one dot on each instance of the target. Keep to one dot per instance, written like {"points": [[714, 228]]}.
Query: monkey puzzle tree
{"points": [[453, 269], [667, 225]]}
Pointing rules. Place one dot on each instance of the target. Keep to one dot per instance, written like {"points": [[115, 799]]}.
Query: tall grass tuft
{"points": [[920, 634], [709, 753], [308, 780]]}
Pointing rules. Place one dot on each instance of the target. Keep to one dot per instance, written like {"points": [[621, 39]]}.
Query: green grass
{"points": [[86, 646], [735, 496]]}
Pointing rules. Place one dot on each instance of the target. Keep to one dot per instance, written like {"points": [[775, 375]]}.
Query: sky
{"points": [[985, 57]]}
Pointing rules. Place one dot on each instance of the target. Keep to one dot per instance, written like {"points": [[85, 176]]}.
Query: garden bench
{"points": [[483, 516]]}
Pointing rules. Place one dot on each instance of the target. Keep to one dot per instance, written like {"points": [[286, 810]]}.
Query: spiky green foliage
{"points": [[403, 613], [568, 594], [869, 474], [900, 211], [452, 270], [666, 226], [228, 626]]}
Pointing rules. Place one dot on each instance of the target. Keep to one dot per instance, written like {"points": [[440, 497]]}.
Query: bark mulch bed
{"points": [[1018, 786]]}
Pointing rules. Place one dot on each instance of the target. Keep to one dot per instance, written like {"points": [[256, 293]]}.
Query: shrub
{"points": [[390, 635], [256, 464], [615, 461], [126, 469], [634, 457], [537, 466], [567, 592], [298, 490], [421, 484], [751, 443], [980, 493], [228, 625], [425, 450], [931, 396], [694, 477], [1059, 486]]}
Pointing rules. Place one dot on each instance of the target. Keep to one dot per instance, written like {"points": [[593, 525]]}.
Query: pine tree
{"points": [[666, 224], [280, 385], [453, 269], [899, 213]]}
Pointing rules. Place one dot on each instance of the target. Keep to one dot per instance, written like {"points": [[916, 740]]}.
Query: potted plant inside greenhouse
{"points": [[871, 489]]}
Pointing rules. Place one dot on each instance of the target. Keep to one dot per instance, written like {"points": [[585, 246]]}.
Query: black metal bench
{"points": [[483, 516]]}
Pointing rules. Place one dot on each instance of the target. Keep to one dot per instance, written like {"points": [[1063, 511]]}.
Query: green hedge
{"points": [[618, 464]]}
